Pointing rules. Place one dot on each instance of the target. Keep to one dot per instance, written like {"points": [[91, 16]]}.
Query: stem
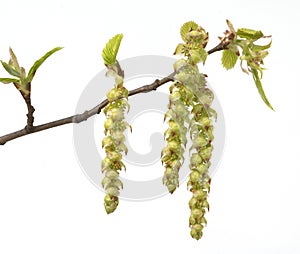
{"points": [[29, 129], [30, 118]]}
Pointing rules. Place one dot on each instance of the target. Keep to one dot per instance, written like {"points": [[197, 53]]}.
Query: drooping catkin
{"points": [[114, 141]]}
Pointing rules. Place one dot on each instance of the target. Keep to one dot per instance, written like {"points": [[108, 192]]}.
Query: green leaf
{"points": [[8, 80], [179, 49], [11, 70], [109, 53], [203, 54], [260, 88], [249, 34], [187, 27], [229, 59], [260, 48], [14, 60], [39, 62]]}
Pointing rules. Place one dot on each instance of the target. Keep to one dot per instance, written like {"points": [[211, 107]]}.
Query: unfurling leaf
{"points": [[260, 89], [179, 49], [187, 27], [39, 62], [13, 60], [109, 53], [255, 47], [249, 34], [229, 59], [11, 70], [8, 80]]}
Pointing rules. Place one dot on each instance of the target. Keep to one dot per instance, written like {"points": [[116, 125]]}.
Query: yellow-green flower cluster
{"points": [[201, 134], [199, 180], [175, 135], [201, 123], [195, 39], [114, 141]]}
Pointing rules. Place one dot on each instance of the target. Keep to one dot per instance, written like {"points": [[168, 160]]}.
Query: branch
{"points": [[29, 129], [81, 117]]}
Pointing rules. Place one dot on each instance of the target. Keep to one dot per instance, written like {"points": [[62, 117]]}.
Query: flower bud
{"points": [[108, 124], [117, 114], [110, 203], [196, 234], [195, 176], [179, 64], [205, 121], [112, 174], [196, 213], [206, 153], [195, 160], [114, 156], [199, 141], [175, 96], [113, 191], [199, 194], [106, 163], [192, 221], [172, 187], [113, 94], [193, 202], [107, 141]]}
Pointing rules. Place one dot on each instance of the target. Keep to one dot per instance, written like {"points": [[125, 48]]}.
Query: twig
{"points": [[219, 47], [29, 129]]}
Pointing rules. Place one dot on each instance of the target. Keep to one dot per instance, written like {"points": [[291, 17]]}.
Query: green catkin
{"points": [[200, 127], [114, 141], [175, 135], [199, 179]]}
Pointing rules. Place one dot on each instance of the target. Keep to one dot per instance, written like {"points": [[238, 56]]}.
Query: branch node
{"points": [[81, 117]]}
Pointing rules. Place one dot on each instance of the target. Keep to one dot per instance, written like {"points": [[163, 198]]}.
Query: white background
{"points": [[46, 203]]}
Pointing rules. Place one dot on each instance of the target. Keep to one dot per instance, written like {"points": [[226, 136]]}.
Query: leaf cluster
{"points": [[242, 44], [20, 79], [195, 40]]}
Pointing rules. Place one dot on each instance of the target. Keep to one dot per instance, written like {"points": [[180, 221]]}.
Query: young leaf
{"points": [[39, 62], [229, 59], [109, 53], [11, 70], [179, 49], [255, 47], [230, 26], [8, 80], [203, 54], [260, 88], [14, 60], [249, 34], [187, 27]]}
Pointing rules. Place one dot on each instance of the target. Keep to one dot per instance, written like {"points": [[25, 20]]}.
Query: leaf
{"points": [[8, 80], [179, 49], [39, 62], [11, 70], [229, 59], [249, 34], [187, 27], [260, 88], [14, 60], [255, 47], [230, 26], [109, 53]]}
